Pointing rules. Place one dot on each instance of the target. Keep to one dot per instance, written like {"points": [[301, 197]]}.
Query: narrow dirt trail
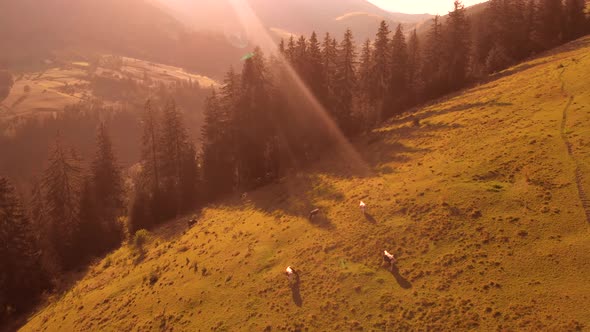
{"points": [[578, 174]]}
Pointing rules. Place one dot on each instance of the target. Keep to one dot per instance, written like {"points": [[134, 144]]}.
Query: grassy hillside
{"points": [[481, 200]]}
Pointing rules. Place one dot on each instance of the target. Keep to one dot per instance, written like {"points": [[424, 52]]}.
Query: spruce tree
{"points": [[414, 63], [432, 69], [398, 85], [172, 149], [291, 50], [21, 276], [329, 64], [61, 186], [148, 198], [381, 63], [217, 150], [106, 182], [365, 79], [457, 46], [549, 23], [149, 152], [346, 83], [254, 131], [574, 19], [314, 76]]}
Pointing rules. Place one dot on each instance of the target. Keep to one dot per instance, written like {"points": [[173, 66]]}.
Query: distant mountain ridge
{"points": [[31, 30], [292, 16]]}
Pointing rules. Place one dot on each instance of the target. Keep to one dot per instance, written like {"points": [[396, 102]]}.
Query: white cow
{"points": [[363, 207], [389, 258], [290, 272]]}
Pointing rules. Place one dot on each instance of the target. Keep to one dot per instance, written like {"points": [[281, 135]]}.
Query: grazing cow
{"points": [[389, 258], [289, 271], [313, 212], [363, 207], [292, 275]]}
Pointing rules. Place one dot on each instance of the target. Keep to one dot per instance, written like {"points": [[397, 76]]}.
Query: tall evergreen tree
{"points": [[365, 85], [314, 76], [217, 151], [300, 60], [432, 69], [291, 50], [174, 146], [253, 116], [346, 83], [102, 199], [381, 63], [61, 185], [414, 63], [21, 276], [398, 86], [148, 197], [329, 61], [457, 45], [549, 23], [575, 19], [149, 151]]}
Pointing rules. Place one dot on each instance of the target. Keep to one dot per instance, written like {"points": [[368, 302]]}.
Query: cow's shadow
{"points": [[403, 282], [296, 290], [370, 218]]}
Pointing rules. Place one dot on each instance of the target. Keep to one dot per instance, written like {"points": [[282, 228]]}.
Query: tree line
{"points": [[260, 123]]}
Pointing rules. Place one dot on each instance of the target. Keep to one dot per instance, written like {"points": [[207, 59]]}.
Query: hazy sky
{"points": [[441, 7]]}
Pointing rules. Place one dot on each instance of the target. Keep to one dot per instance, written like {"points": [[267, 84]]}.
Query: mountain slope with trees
{"points": [[289, 121], [476, 195]]}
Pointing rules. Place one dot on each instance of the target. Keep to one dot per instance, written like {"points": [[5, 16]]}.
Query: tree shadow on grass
{"points": [[322, 221], [403, 282]]}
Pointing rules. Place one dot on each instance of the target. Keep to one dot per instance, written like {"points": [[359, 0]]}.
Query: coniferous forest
{"points": [[265, 120]]}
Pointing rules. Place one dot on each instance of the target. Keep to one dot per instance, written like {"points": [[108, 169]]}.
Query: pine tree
{"points": [[432, 69], [218, 153], [346, 83], [291, 50], [190, 175], [253, 116], [61, 185], [549, 23], [365, 78], [574, 19], [329, 64], [315, 78], [300, 60], [173, 147], [398, 86], [381, 63], [149, 152], [414, 62], [457, 45], [148, 198], [21, 276], [282, 47], [106, 182]]}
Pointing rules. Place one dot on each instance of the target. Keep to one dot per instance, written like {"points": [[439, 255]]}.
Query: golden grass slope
{"points": [[480, 203]]}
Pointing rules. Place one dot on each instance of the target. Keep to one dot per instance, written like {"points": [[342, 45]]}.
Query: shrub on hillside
{"points": [[140, 238]]}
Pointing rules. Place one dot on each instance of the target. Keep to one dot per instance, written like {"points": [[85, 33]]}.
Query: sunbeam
{"points": [[258, 34]]}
